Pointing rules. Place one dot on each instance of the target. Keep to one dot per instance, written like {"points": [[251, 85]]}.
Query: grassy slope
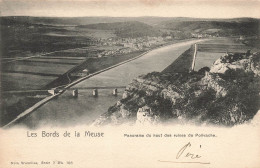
{"points": [[126, 29], [225, 28]]}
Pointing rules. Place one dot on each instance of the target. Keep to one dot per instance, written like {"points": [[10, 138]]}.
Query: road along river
{"points": [[66, 110]]}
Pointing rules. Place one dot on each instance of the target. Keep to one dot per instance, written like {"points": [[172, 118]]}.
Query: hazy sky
{"points": [[171, 8]]}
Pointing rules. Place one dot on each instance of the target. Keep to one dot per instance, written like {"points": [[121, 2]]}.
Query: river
{"points": [[66, 110]]}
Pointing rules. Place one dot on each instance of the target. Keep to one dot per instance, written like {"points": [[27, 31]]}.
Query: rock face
{"points": [[227, 94], [237, 63], [145, 116]]}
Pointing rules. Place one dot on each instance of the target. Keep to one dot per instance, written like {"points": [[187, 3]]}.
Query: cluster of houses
{"points": [[198, 35], [128, 45], [114, 52], [130, 42]]}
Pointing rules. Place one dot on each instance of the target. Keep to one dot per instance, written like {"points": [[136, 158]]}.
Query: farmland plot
{"points": [[40, 68], [19, 81], [222, 48], [206, 59], [55, 61]]}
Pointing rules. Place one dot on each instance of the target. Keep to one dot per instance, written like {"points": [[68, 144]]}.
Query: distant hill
{"points": [[126, 29], [78, 20], [238, 26], [150, 20]]}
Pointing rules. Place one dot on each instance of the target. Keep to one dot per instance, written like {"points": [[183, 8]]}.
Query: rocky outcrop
{"points": [[145, 116], [226, 94], [215, 82], [237, 63]]}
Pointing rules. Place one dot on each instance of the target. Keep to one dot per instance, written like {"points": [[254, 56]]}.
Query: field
{"points": [[55, 60], [19, 81], [222, 48], [75, 53], [206, 59], [221, 40], [36, 67]]}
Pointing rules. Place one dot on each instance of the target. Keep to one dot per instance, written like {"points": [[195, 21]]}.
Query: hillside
{"points": [[231, 27], [150, 20], [79, 20], [126, 29], [146, 25], [226, 95]]}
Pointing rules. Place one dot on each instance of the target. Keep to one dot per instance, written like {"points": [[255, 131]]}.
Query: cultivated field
{"points": [[55, 60], [204, 59], [84, 52], [222, 48], [19, 81], [41, 68]]}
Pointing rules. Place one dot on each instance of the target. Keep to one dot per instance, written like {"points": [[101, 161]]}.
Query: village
{"points": [[116, 46]]}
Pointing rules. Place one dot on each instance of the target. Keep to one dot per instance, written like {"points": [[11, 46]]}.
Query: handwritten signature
{"points": [[184, 153]]}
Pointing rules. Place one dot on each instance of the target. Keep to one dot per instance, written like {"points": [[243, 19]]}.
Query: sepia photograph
{"points": [[148, 70]]}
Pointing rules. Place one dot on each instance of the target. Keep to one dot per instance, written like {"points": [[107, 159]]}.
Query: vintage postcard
{"points": [[130, 84]]}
